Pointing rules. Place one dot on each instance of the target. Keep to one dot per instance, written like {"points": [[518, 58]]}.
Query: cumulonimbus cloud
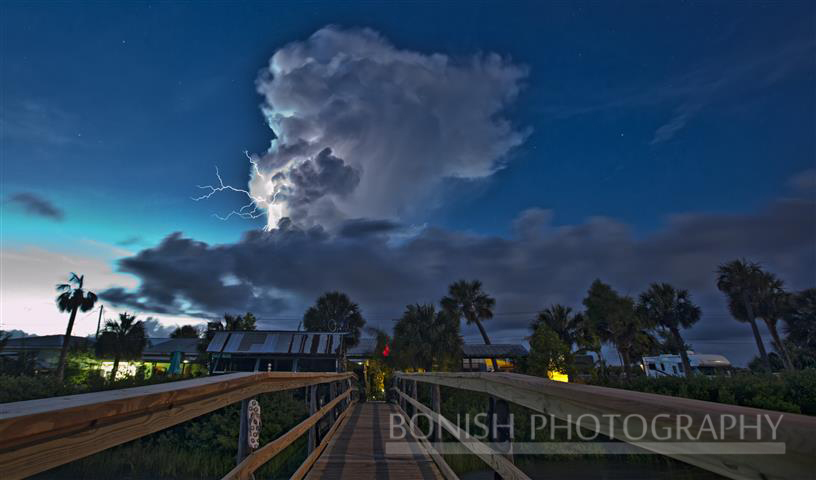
{"points": [[364, 129]]}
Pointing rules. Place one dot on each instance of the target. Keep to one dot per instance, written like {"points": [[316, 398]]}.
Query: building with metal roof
{"points": [[43, 350], [256, 350], [475, 356], [478, 357]]}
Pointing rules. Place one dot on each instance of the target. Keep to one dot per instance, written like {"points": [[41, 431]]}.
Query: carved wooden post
{"points": [[243, 432], [436, 405], [501, 429], [311, 393]]}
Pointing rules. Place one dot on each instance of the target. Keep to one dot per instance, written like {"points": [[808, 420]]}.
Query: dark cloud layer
{"points": [[275, 273], [36, 205]]}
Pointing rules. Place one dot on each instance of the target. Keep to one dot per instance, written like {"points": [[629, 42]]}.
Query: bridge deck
{"points": [[357, 450]]}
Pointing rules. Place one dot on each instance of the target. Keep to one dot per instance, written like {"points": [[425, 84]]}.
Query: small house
{"points": [[276, 351]]}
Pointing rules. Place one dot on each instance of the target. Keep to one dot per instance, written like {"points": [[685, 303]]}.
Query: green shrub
{"points": [[793, 392]]}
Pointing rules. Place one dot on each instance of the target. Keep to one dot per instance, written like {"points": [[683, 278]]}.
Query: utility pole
{"points": [[99, 322]]}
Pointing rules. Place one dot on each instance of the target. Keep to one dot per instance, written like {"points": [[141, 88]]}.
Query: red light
{"points": [[386, 350]]}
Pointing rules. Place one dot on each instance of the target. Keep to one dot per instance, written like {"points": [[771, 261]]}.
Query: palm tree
{"points": [[185, 331], [467, 300], [335, 312], [772, 304], [561, 321], [124, 340], [587, 338], [72, 299], [613, 319], [670, 308], [239, 323], [742, 281], [424, 338], [800, 326]]}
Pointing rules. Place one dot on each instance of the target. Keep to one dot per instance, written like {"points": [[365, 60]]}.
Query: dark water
{"points": [[603, 470]]}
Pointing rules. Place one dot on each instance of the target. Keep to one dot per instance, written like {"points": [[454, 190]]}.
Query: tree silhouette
{"points": [[561, 321], [124, 340], [335, 312], [773, 303], [185, 331], [741, 281], [424, 338], [72, 299], [467, 300], [800, 327], [613, 319], [672, 309]]}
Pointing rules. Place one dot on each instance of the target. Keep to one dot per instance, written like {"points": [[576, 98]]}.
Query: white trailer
{"points": [[671, 365]]}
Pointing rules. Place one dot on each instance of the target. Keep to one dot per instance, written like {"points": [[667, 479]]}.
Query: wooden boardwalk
{"points": [[357, 450]]}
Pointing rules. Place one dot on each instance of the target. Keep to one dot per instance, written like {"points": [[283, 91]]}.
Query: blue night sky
{"points": [[635, 120]]}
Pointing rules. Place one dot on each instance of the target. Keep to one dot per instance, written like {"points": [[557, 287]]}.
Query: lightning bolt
{"points": [[256, 207]]}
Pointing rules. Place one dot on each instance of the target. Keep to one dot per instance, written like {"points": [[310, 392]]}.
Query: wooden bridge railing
{"points": [[37, 435], [577, 403]]}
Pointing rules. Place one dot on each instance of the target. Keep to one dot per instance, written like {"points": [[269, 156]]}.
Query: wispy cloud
{"points": [[667, 131], [40, 122], [719, 79], [130, 241], [36, 205], [805, 180]]}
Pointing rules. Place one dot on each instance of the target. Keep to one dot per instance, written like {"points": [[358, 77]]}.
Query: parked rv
{"points": [[671, 365]]}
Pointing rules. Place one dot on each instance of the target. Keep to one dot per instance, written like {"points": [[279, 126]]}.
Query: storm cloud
{"points": [[276, 273], [36, 205], [363, 129]]}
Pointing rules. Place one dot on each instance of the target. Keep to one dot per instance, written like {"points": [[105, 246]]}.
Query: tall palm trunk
{"points": [[757, 337], [65, 344], [683, 353], [115, 368], [626, 362], [780, 346], [601, 361], [486, 341]]}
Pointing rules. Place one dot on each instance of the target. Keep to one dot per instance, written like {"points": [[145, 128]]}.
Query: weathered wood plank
{"points": [[570, 401], [440, 462], [360, 450], [312, 458], [36, 436]]}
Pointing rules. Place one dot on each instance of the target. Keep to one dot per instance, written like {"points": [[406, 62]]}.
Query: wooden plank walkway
{"points": [[357, 450]]}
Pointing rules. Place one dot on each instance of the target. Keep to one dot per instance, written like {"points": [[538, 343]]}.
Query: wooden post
{"points": [[436, 405], [243, 433], [414, 396], [312, 399], [501, 429], [403, 390], [332, 395]]}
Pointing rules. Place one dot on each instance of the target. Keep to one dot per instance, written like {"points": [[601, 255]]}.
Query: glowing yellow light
{"points": [[558, 376]]}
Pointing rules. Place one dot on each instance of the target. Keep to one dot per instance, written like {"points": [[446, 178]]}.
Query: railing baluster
{"points": [[501, 430], [243, 433], [436, 405], [312, 398], [332, 395]]}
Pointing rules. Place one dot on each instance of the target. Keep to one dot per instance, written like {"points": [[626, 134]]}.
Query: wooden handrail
{"points": [[312, 458], [496, 461], [571, 401], [257, 458], [37, 435]]}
